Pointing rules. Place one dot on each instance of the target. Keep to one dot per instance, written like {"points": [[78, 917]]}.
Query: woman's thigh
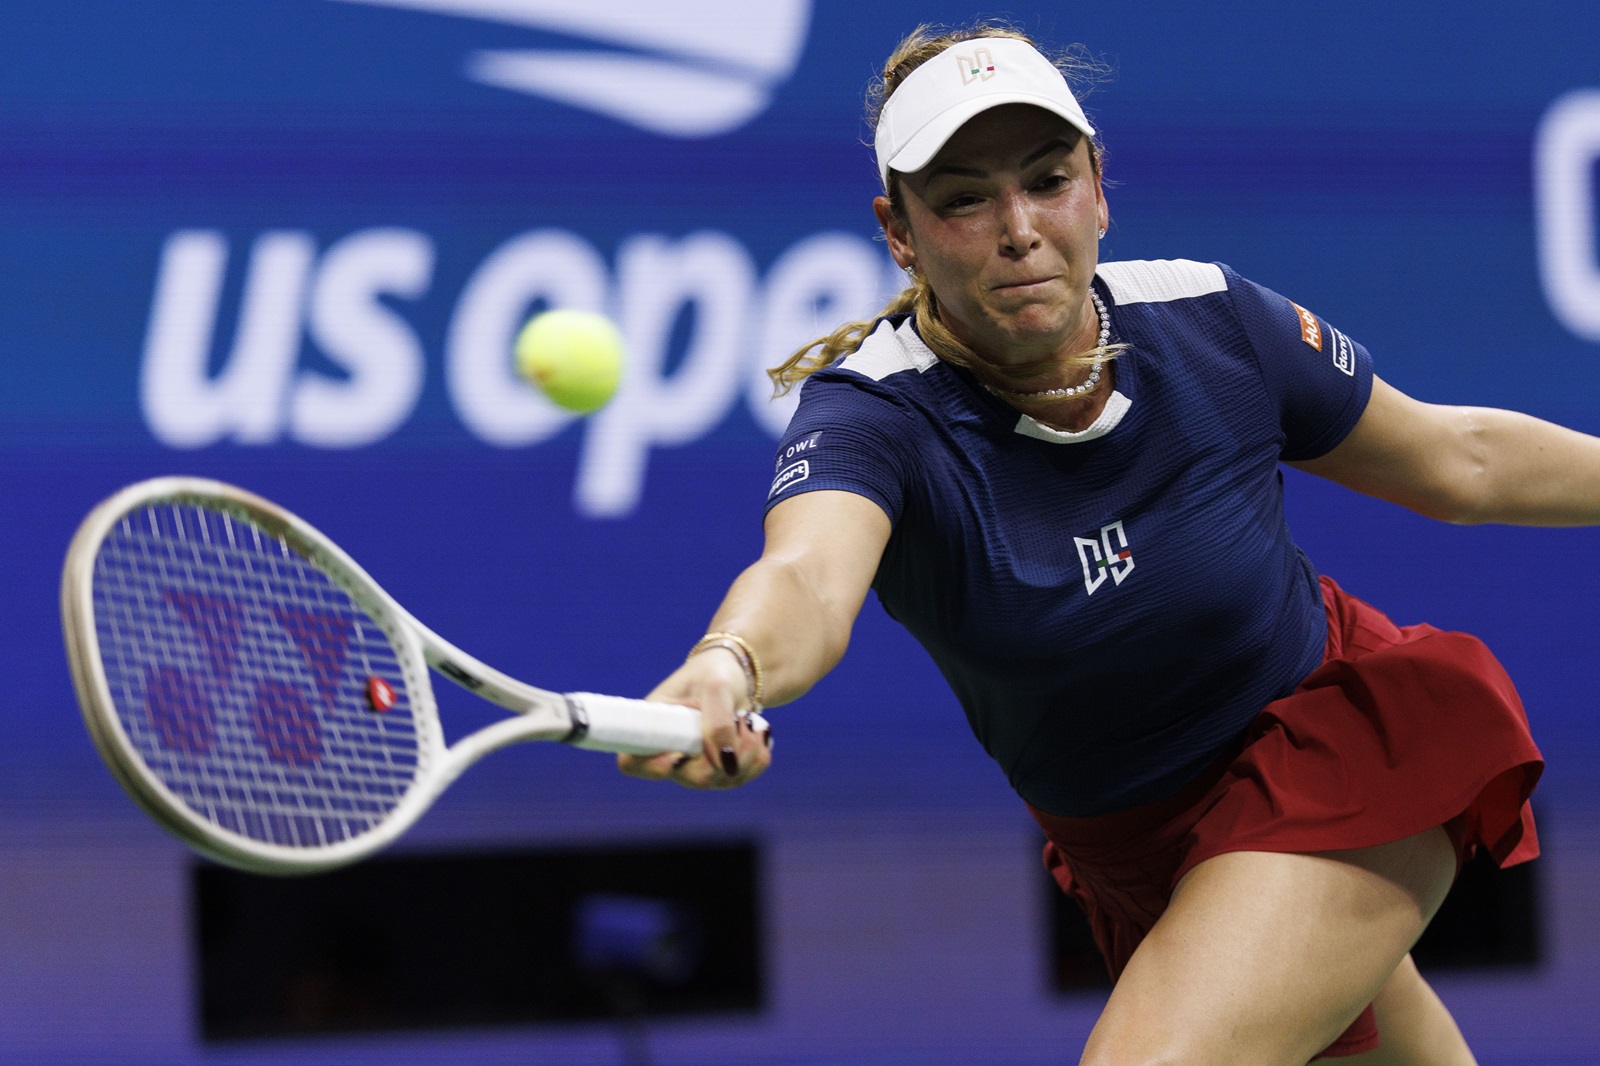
{"points": [[1266, 958]]}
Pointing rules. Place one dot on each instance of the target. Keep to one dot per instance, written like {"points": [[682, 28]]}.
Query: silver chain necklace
{"points": [[1088, 384]]}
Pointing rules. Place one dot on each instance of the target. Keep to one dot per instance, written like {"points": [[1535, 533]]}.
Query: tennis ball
{"points": [[574, 357]]}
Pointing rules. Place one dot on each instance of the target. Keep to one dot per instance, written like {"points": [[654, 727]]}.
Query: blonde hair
{"points": [[921, 45]]}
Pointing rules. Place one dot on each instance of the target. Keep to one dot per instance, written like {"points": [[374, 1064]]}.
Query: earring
{"points": [[1102, 235], [911, 271]]}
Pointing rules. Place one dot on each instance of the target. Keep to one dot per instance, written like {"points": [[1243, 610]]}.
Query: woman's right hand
{"points": [[733, 753], [822, 549]]}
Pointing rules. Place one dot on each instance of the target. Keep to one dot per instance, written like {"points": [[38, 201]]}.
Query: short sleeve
{"points": [[1316, 376], [847, 433]]}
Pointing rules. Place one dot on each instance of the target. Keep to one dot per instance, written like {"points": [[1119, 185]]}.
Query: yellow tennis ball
{"points": [[574, 357]]}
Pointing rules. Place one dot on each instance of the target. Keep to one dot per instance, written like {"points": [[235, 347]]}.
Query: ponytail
{"points": [[824, 351]]}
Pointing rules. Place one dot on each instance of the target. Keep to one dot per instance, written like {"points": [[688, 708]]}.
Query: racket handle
{"points": [[637, 727]]}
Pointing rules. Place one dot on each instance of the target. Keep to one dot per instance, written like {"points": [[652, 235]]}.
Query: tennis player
{"points": [[1062, 477]]}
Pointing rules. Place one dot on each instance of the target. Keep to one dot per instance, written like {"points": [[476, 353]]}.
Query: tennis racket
{"points": [[266, 701]]}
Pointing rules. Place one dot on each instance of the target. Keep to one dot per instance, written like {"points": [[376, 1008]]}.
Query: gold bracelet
{"points": [[744, 665], [748, 661]]}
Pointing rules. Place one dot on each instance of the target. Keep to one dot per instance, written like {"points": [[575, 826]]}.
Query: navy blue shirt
{"points": [[1111, 607]]}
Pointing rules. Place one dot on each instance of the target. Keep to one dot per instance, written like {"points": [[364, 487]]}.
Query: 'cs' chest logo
{"points": [[1106, 557]]}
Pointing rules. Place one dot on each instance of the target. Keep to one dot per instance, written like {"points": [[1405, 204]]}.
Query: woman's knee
{"points": [[1106, 1055], [1176, 1051], [1415, 1025], [1265, 959]]}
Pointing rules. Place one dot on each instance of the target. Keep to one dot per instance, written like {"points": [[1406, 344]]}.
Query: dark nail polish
{"points": [[767, 736], [683, 760], [730, 762]]}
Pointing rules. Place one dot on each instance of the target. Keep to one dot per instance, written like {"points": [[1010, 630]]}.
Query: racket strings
{"points": [[239, 672]]}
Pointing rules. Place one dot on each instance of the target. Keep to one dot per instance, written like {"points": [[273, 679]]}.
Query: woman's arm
{"points": [[1467, 464], [795, 607]]}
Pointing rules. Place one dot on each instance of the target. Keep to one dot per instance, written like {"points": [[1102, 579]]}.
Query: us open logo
{"points": [[1109, 556], [648, 63]]}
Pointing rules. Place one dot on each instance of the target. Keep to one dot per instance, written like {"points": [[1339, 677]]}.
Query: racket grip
{"points": [[637, 727]]}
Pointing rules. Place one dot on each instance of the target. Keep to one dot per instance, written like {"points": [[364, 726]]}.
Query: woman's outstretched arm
{"points": [[794, 608]]}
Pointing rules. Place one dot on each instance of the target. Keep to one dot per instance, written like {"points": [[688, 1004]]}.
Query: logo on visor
{"points": [[979, 66], [1109, 556]]}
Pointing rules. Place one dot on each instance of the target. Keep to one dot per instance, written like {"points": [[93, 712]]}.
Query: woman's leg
{"points": [[1416, 1027], [1265, 958]]}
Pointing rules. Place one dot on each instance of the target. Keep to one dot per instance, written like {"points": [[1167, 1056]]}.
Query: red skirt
{"points": [[1399, 730]]}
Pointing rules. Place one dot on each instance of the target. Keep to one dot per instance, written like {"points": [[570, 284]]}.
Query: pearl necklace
{"points": [[1083, 387]]}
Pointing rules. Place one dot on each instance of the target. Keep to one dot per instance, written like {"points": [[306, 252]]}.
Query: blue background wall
{"points": [[215, 217]]}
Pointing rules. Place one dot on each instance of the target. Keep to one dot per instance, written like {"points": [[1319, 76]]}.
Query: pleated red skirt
{"points": [[1399, 730]]}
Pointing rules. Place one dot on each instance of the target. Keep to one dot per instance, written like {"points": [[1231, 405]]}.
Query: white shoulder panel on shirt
{"points": [[1151, 281], [888, 351]]}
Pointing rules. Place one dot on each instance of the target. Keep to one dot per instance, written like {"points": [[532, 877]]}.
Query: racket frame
{"points": [[585, 720]]}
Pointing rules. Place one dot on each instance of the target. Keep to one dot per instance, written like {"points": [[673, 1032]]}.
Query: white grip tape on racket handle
{"points": [[637, 727]]}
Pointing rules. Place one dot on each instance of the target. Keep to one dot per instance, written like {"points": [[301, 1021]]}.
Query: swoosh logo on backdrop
{"points": [[681, 68]]}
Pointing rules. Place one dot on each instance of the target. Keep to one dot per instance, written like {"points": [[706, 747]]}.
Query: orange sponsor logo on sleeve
{"points": [[1310, 328]]}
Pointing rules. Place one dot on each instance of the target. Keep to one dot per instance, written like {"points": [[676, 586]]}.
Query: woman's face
{"points": [[1004, 223]]}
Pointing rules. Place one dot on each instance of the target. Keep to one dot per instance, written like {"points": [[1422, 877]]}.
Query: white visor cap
{"points": [[965, 79]]}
